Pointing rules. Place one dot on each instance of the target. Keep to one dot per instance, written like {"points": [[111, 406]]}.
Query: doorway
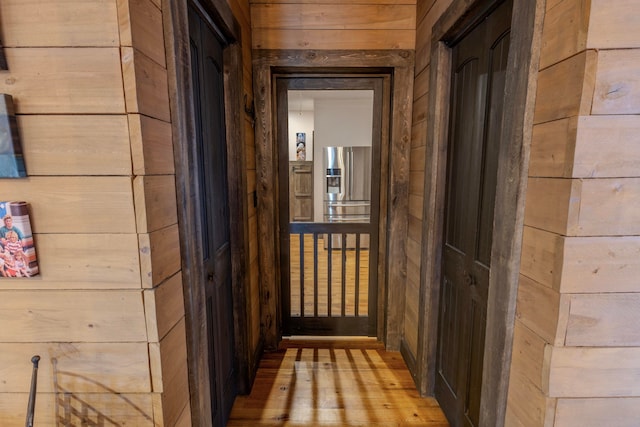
{"points": [[329, 136], [478, 63]]}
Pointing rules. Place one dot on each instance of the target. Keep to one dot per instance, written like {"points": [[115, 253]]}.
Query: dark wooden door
{"points": [[208, 95], [330, 262], [479, 63]]}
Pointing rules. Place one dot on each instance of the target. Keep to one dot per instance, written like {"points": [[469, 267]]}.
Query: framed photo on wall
{"points": [[17, 249], [301, 146]]}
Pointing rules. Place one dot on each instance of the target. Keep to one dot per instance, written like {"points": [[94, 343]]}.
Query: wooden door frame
{"points": [[517, 126], [177, 46], [379, 85], [394, 200]]}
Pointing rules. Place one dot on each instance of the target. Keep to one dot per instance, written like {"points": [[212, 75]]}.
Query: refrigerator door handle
{"points": [[351, 174]]}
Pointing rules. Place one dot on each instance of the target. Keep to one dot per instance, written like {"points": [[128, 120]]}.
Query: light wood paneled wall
{"points": [[575, 349], [106, 314], [333, 25]]}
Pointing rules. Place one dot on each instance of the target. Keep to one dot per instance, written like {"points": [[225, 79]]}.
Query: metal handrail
{"points": [[32, 393]]}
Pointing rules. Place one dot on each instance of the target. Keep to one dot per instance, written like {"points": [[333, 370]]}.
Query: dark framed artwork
{"points": [[17, 248], [11, 156]]}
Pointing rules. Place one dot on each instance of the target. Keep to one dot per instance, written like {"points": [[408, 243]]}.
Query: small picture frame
{"points": [[301, 146], [11, 156], [17, 248]]}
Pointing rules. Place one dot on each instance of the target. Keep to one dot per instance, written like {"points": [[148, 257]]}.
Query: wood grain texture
{"points": [[511, 191], [542, 256], [72, 316], [145, 85], [538, 308], [617, 89], [151, 145], [342, 383], [64, 81], [424, 31], [333, 16], [369, 2], [90, 261], [140, 23], [175, 384], [119, 408], [599, 198], [527, 405], [605, 320], [600, 264], [333, 39], [565, 31], [155, 202], [607, 146], [77, 23], [77, 204], [554, 204], [619, 412], [553, 148], [75, 145], [430, 209], [398, 203], [613, 27], [566, 89], [587, 147], [528, 354], [592, 372], [164, 307], [76, 367], [159, 255]]}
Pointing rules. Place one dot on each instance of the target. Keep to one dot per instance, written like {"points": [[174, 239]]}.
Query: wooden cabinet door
{"points": [[301, 191], [479, 63]]}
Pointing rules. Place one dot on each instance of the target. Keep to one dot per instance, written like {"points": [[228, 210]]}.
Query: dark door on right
{"points": [[479, 61]]}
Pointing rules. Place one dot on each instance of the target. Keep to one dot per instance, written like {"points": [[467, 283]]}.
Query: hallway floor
{"points": [[343, 382]]}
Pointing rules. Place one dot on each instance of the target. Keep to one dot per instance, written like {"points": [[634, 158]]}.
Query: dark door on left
{"points": [[211, 166]]}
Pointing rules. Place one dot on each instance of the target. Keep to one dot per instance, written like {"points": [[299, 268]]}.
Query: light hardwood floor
{"points": [[348, 382]]}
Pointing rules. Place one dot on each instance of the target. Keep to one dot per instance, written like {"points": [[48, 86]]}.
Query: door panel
{"points": [[479, 62], [329, 267], [208, 95]]}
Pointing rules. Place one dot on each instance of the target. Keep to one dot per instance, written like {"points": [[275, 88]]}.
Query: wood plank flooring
{"points": [[340, 382]]}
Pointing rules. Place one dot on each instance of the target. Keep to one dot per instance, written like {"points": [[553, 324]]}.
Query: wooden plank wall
{"points": [[89, 81], [333, 24], [576, 348], [428, 12], [106, 314], [242, 14]]}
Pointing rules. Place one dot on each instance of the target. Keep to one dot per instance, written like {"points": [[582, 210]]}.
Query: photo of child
{"points": [[17, 251], [301, 146]]}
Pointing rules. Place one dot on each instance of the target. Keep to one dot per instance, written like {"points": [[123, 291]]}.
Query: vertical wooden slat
{"points": [[344, 274], [301, 274], [315, 274], [357, 285], [329, 256]]}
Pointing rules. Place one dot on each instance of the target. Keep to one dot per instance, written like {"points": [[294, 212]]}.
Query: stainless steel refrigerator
{"points": [[347, 187]]}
